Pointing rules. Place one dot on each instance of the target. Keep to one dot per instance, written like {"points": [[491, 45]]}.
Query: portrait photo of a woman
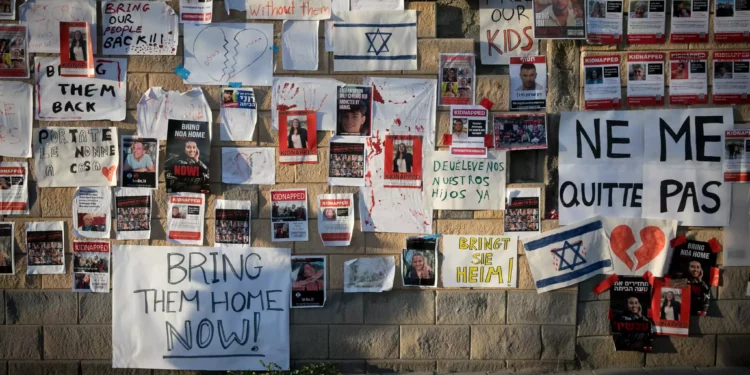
{"points": [[308, 279], [670, 308], [297, 137], [78, 49], [196, 180], [402, 160], [418, 268]]}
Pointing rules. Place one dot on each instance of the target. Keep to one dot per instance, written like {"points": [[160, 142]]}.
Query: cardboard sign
{"points": [[76, 156], [43, 18], [645, 79], [308, 282], [602, 82], [45, 248], [604, 22], [14, 188], [476, 261], [228, 313], [139, 28], [375, 40], [92, 212], [133, 213], [453, 183], [72, 99], [288, 9], [14, 51], [647, 22], [505, 31], [16, 119]]}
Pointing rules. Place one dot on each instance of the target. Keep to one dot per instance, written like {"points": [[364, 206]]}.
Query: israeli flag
{"points": [[568, 255], [375, 40]]}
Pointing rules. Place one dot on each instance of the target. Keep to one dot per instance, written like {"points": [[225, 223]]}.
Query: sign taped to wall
{"points": [[139, 28], [506, 29], [454, 183], [43, 19], [480, 261], [76, 156]]}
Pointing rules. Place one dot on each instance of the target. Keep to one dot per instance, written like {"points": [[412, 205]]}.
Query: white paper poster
{"points": [[640, 245], [689, 21], [647, 22], [369, 275], [506, 30], [133, 213], [232, 227], [454, 183], [239, 114], [16, 119], [196, 11], [157, 107], [248, 166], [604, 22], [389, 210], [523, 212], [76, 156], [246, 57], [657, 164], [601, 88], [45, 248], [346, 161], [477, 261], [92, 212], [688, 83], [336, 219], [731, 22], [91, 266], [375, 40], [288, 9], [43, 19], [139, 28], [360, 5], [239, 295], [306, 94], [468, 131], [731, 84], [289, 215], [299, 45], [72, 99], [645, 79], [736, 165], [186, 218], [14, 188], [528, 83]]}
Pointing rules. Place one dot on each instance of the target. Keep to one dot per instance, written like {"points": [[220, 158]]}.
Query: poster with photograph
{"points": [[7, 10], [45, 248], [604, 22], [70, 157], [336, 219], [736, 163], [43, 18], [646, 22], [506, 30], [689, 21], [468, 131], [526, 131], [157, 107], [457, 79], [564, 19], [248, 165], [453, 183], [139, 28], [645, 79], [304, 93], [478, 261], [92, 212], [239, 114], [14, 50], [689, 78], [14, 188], [731, 84], [731, 21], [16, 119], [640, 245], [289, 215], [7, 249], [346, 162], [188, 156], [308, 282], [601, 89], [696, 261], [629, 305], [298, 138], [369, 275], [419, 262], [76, 54], [528, 83], [232, 224], [133, 213], [354, 110], [523, 212], [91, 263], [140, 158], [670, 308], [65, 99], [403, 161], [196, 11], [186, 218]]}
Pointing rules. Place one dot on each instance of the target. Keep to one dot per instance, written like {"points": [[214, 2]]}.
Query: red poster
{"points": [[403, 161], [670, 308], [76, 55], [298, 138]]}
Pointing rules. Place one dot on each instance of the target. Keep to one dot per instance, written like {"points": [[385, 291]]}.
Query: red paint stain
{"points": [[376, 95], [397, 121], [372, 201], [392, 102], [419, 128], [284, 107]]}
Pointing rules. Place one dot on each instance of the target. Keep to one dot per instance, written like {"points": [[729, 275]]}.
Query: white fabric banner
{"points": [[299, 45], [43, 19], [76, 156], [92, 212], [301, 93], [389, 210], [477, 261], [157, 107], [640, 245], [455, 183], [248, 166], [139, 28], [375, 40], [16, 119]]}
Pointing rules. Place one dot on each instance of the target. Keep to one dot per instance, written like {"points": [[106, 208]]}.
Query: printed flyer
{"points": [[403, 161], [298, 138], [91, 261], [336, 219], [419, 262], [604, 22], [76, 54], [527, 131], [646, 22], [645, 79], [731, 83], [14, 188], [45, 248], [248, 165], [188, 155], [71, 157], [16, 118], [289, 215], [695, 261], [140, 158], [186, 218], [736, 163], [239, 114], [14, 51], [7, 249], [670, 308], [560, 20], [689, 78], [354, 110], [196, 11], [232, 226], [346, 162], [629, 304], [479, 261], [468, 130], [92, 207], [731, 21], [457, 79], [528, 83], [308, 282], [602, 82], [133, 213], [689, 21], [523, 212]]}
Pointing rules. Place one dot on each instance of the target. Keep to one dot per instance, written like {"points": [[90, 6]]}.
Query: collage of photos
{"points": [[346, 165], [457, 77], [519, 132], [14, 58], [45, 253], [133, 218], [522, 215], [232, 228]]}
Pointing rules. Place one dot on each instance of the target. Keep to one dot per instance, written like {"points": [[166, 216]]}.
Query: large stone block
{"points": [[586, 289], [457, 19], [496, 89], [309, 341], [563, 76], [43, 368], [77, 342], [469, 367], [20, 342], [732, 350], [730, 317], [20, 280], [540, 367], [243, 193], [105, 368], [340, 308], [505, 342], [559, 342], [599, 352], [346, 367], [471, 307], [95, 308], [400, 366], [136, 87], [528, 307], [38, 307], [682, 351], [314, 173], [434, 342], [425, 18], [385, 243], [400, 307], [493, 227], [363, 342], [592, 318]]}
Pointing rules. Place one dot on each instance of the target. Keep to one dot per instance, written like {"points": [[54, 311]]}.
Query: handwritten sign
{"points": [[76, 156], [139, 28], [288, 9], [15, 119], [200, 308], [505, 30], [454, 183], [480, 261], [73, 99], [43, 19]]}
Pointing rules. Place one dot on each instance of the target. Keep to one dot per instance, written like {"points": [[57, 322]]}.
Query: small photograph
{"points": [[682, 8], [308, 276], [6, 6], [597, 9], [140, 156], [679, 70], [5, 183], [670, 303], [724, 8], [639, 9], [733, 148], [403, 156], [449, 90], [92, 222], [460, 130], [634, 308], [179, 211], [6, 255], [228, 96], [78, 45], [90, 262], [450, 75], [329, 214], [82, 281], [288, 211], [637, 72], [527, 74], [280, 230], [418, 267], [723, 69], [594, 75], [297, 132]]}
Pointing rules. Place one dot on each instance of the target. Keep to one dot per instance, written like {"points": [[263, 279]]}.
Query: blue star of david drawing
{"points": [[575, 248], [373, 38]]}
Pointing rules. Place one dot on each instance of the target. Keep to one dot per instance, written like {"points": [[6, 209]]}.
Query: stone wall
{"points": [[46, 329]]}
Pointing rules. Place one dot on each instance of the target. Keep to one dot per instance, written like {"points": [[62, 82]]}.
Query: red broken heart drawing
{"points": [[653, 240], [109, 172]]}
